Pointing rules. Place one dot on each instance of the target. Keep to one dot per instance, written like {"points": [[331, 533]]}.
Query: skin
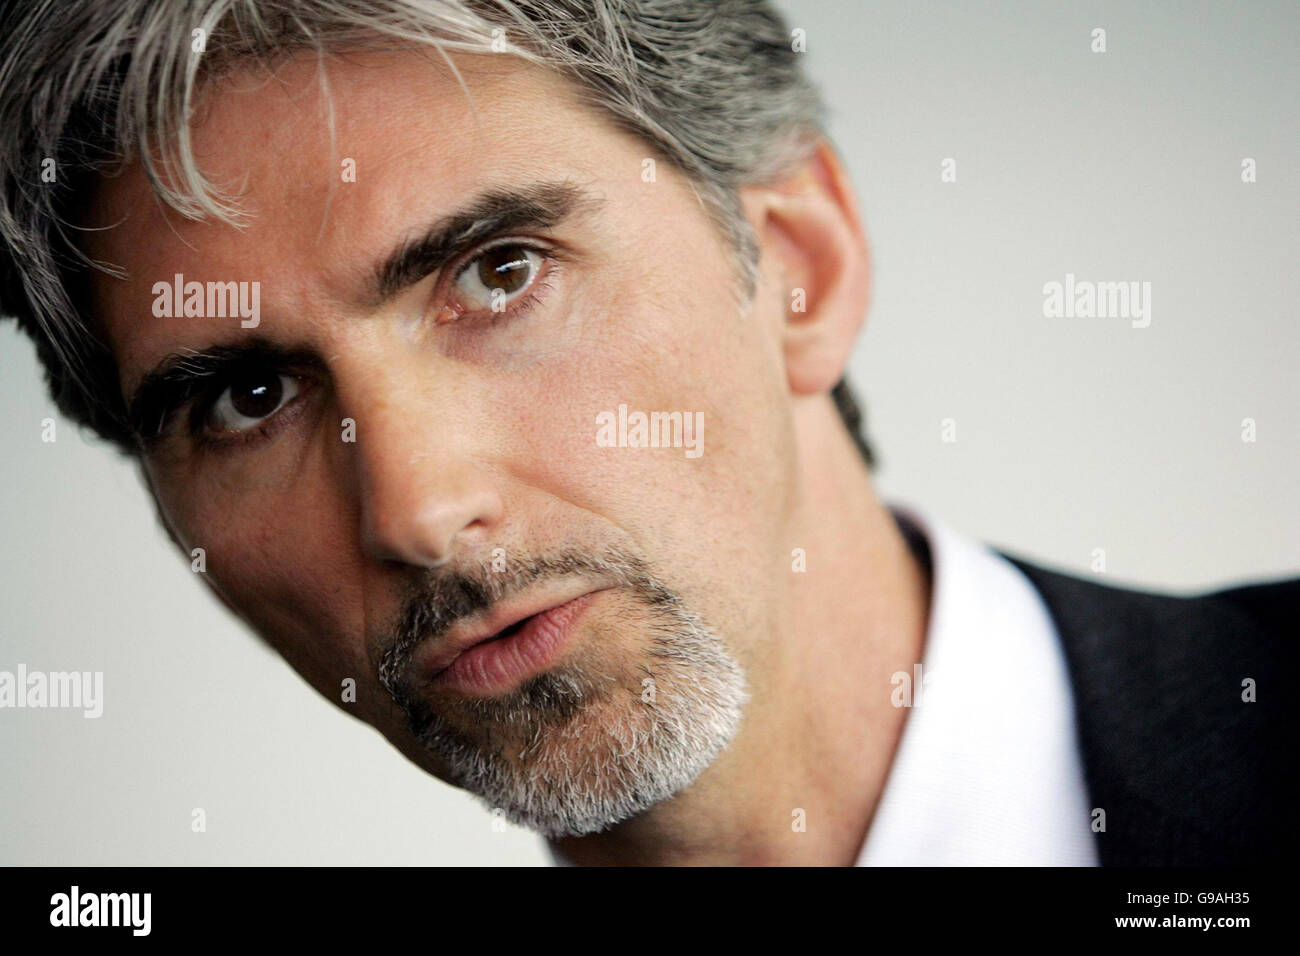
{"points": [[471, 436]]}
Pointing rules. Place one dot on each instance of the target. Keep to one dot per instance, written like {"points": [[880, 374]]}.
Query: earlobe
{"points": [[812, 237]]}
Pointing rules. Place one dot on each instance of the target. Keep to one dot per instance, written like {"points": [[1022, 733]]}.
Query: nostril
{"points": [[422, 515]]}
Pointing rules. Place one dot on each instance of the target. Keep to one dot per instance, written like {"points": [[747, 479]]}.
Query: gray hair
{"points": [[87, 86], [589, 745]]}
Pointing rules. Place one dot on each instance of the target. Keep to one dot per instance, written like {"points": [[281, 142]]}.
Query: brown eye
{"points": [[257, 396], [251, 397], [505, 268], [497, 276]]}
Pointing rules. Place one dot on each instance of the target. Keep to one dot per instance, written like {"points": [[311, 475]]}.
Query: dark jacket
{"points": [[1188, 773]]}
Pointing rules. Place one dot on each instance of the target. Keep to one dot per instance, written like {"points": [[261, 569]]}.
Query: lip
{"points": [[480, 662]]}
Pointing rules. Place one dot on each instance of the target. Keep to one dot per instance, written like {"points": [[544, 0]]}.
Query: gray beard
{"points": [[594, 748]]}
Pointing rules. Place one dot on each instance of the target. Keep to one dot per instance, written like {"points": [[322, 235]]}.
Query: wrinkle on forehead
{"points": [[423, 150], [282, 140]]}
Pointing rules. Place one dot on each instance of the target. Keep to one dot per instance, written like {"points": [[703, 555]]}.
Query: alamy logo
{"points": [[208, 300], [1098, 300], [102, 909], [57, 689], [651, 430]]}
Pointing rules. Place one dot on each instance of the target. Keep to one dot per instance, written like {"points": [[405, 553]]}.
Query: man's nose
{"points": [[425, 489]]}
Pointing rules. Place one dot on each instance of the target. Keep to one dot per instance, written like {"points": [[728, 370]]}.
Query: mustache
{"points": [[444, 596]]}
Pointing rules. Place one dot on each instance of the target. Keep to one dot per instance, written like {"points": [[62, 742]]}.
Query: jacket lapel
{"points": [[1171, 751]]}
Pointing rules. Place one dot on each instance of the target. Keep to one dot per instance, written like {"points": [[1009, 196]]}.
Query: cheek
{"points": [[669, 340], [288, 562]]}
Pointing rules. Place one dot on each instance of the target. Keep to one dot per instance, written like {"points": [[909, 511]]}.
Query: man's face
{"points": [[387, 469]]}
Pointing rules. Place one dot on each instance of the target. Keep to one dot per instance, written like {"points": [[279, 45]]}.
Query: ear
{"points": [[814, 256]]}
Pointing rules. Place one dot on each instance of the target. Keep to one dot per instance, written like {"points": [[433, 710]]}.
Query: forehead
{"points": [[419, 139]]}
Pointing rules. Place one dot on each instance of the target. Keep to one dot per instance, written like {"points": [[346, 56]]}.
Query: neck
{"points": [[801, 780]]}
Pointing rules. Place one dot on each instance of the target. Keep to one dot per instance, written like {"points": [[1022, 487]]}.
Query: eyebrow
{"points": [[178, 377], [537, 206]]}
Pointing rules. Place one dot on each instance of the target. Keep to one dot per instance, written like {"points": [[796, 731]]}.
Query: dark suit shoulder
{"points": [[1273, 606], [1180, 712]]}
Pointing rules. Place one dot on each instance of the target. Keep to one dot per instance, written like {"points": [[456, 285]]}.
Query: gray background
{"points": [[1073, 434]]}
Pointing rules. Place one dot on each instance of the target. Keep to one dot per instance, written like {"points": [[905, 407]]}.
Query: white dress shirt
{"points": [[988, 771]]}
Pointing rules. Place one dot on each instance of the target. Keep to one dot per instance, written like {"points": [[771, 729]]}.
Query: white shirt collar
{"points": [[988, 770]]}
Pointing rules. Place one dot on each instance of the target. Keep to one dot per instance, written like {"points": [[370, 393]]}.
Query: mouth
{"points": [[512, 645]]}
